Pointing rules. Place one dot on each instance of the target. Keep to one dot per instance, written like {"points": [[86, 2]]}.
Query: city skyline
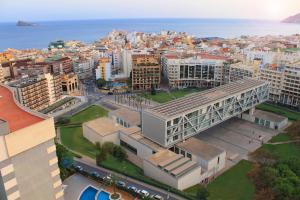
{"points": [[56, 10]]}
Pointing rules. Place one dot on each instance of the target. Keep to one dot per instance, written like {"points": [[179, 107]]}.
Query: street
{"points": [[130, 181]]}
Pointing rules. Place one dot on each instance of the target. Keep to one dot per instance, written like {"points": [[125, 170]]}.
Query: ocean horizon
{"points": [[12, 36]]}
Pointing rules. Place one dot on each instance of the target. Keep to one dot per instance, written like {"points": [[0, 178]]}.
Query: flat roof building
{"points": [[28, 161], [172, 122]]}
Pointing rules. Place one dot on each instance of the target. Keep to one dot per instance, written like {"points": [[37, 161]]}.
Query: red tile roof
{"points": [[16, 117]]}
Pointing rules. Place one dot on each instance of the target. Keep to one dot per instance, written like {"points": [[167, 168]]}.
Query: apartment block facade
{"points": [[32, 92], [1, 74], [146, 72], [194, 70], [103, 71], [28, 167]]}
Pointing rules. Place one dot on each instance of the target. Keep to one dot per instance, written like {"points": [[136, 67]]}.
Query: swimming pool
{"points": [[103, 196], [89, 193]]}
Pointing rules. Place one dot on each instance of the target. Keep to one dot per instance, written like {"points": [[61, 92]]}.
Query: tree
{"points": [[63, 120], [108, 147], [65, 160], [119, 153], [100, 82], [153, 91], [100, 157], [202, 193]]}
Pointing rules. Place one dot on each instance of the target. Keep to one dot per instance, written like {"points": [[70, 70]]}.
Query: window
{"points": [[189, 155], [182, 152], [176, 150], [218, 160], [175, 138], [128, 147]]}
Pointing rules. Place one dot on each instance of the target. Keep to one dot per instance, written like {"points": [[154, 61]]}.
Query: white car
{"points": [[158, 197], [144, 193]]}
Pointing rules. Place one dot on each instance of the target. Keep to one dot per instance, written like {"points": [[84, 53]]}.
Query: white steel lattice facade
{"points": [[178, 120]]}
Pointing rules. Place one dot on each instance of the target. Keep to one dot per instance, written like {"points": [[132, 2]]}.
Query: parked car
{"points": [[121, 184], [132, 188], [78, 168], [108, 179], [156, 196], [95, 175], [143, 193]]}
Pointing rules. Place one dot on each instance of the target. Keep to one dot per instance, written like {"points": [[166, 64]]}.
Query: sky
{"points": [[48, 10]]}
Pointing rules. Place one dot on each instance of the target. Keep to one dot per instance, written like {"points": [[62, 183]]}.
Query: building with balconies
{"points": [[28, 162]]}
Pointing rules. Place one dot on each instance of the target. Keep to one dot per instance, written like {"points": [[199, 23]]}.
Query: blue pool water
{"points": [[103, 196], [89, 193]]}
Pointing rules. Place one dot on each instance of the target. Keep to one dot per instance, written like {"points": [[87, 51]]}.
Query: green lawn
{"points": [[283, 151], [125, 166], [231, 185], [292, 115], [160, 97], [163, 97], [280, 138], [88, 114], [72, 137]]}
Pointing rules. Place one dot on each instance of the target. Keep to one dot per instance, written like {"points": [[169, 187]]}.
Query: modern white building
{"points": [[199, 70]]}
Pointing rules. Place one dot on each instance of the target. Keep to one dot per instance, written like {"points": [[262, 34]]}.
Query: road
{"points": [[152, 190]]}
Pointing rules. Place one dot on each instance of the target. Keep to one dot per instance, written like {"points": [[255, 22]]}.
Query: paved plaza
{"points": [[238, 137]]}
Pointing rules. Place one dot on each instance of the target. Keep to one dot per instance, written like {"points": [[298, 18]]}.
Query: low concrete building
{"points": [[172, 169], [102, 130], [211, 159], [126, 117], [267, 119]]}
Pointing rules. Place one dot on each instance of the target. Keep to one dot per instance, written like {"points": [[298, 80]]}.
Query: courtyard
{"points": [[237, 137]]}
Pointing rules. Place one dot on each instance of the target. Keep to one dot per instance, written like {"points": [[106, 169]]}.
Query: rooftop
{"points": [[130, 116], [16, 117], [135, 133], [268, 116], [200, 148], [196, 100], [103, 126], [172, 163]]}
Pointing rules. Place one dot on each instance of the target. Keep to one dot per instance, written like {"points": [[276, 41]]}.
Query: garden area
{"points": [[280, 110], [163, 97], [232, 184], [276, 173]]}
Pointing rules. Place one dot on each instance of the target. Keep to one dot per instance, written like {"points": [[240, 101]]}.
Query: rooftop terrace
{"points": [[16, 117], [199, 99]]}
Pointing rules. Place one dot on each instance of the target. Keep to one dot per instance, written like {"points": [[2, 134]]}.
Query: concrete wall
{"points": [[154, 128], [30, 136], [143, 151], [185, 181], [94, 137], [33, 174]]}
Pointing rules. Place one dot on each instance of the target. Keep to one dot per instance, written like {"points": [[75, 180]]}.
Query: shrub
{"points": [[119, 153], [108, 147]]}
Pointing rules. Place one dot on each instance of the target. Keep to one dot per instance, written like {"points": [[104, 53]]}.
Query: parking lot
{"points": [[237, 137]]}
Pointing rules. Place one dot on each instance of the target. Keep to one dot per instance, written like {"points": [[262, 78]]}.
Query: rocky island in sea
{"points": [[24, 23], [293, 19]]}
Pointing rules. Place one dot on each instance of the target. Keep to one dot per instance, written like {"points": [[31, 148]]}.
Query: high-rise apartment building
{"points": [[54, 82], [146, 72], [103, 71], [32, 92], [1, 74], [28, 162], [198, 70]]}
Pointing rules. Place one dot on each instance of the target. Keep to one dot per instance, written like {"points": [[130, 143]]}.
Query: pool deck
{"points": [[76, 183]]}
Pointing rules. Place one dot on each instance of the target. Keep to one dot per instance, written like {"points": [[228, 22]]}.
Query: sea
{"points": [[12, 36]]}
